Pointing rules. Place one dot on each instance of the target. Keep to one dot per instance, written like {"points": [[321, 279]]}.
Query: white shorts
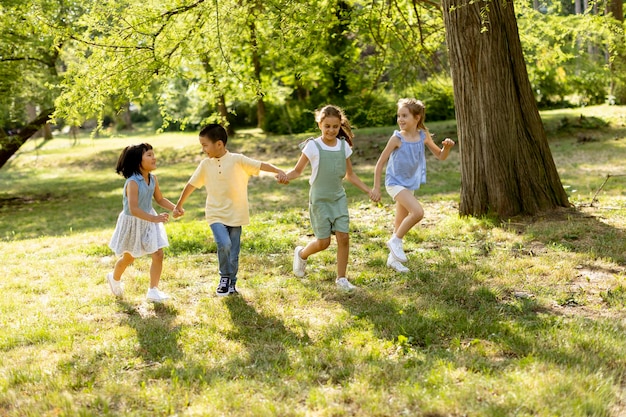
{"points": [[394, 190]]}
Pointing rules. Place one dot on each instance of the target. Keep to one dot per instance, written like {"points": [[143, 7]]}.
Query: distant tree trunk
{"points": [[616, 61], [222, 108], [124, 121], [578, 6], [616, 8], [223, 111], [256, 61], [45, 131], [506, 163], [9, 144]]}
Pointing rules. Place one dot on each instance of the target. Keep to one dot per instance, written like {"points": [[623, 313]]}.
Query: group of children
{"points": [[224, 175]]}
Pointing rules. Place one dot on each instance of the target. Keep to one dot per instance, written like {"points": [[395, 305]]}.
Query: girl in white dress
{"points": [[139, 230]]}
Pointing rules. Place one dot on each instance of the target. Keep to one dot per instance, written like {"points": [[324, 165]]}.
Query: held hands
{"points": [[162, 218], [178, 212], [282, 178], [374, 195]]}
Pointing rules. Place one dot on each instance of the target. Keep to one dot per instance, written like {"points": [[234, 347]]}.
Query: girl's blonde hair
{"points": [[416, 107], [345, 131]]}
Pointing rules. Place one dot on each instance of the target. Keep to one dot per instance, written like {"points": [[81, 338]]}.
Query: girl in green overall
{"points": [[329, 156]]}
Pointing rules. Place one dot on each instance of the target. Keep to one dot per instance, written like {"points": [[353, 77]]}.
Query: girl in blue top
{"points": [[406, 171], [139, 229]]}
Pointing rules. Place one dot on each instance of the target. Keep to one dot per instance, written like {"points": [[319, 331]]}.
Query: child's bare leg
{"points": [[156, 268], [401, 213], [414, 210], [313, 247], [343, 251], [121, 265]]}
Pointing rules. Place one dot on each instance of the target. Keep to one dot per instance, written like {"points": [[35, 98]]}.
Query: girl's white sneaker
{"points": [[344, 284], [117, 288], [157, 296], [396, 265]]}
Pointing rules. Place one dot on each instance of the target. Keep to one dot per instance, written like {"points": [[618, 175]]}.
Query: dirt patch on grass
{"points": [[13, 201]]}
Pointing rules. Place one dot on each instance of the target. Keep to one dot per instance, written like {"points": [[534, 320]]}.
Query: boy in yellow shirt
{"points": [[225, 176]]}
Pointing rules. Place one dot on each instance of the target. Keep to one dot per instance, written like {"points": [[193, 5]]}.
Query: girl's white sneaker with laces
{"points": [[395, 247], [396, 265], [157, 296], [344, 284]]}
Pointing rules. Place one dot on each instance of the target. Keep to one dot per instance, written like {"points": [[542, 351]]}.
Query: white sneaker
{"points": [[299, 264], [395, 247], [395, 264], [157, 296], [117, 288], [344, 284]]}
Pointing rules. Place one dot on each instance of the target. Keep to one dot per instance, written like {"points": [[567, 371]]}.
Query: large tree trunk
{"points": [[11, 143], [506, 164]]}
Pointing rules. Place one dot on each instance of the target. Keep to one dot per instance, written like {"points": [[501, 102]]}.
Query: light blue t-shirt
{"points": [[146, 191], [407, 164]]}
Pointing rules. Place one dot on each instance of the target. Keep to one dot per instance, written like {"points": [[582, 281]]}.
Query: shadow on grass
{"points": [[447, 315], [156, 333], [574, 231], [265, 337]]}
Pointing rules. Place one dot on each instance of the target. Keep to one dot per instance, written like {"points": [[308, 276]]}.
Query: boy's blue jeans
{"points": [[228, 239]]}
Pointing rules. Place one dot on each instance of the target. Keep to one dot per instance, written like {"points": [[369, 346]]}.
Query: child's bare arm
{"points": [[179, 210], [280, 174], [440, 153], [160, 199], [298, 169]]}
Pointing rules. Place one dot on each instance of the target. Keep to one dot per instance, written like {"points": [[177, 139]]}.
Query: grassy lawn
{"points": [[523, 317]]}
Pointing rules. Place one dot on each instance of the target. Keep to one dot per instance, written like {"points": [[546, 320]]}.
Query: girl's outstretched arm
{"points": [[354, 179], [132, 192], [299, 168], [160, 199], [392, 144], [442, 153]]}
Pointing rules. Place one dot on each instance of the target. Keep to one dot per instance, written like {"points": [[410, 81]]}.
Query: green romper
{"points": [[328, 204]]}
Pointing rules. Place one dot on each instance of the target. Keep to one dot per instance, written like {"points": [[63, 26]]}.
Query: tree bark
{"points": [[506, 163], [11, 143]]}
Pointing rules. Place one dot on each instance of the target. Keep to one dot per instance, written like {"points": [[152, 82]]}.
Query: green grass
{"points": [[524, 317]]}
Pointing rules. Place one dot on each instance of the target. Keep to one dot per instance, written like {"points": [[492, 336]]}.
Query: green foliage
{"points": [[288, 118], [566, 56], [29, 63], [438, 97], [371, 110]]}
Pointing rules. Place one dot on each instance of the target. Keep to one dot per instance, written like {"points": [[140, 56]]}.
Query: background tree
{"points": [[506, 163], [29, 67]]}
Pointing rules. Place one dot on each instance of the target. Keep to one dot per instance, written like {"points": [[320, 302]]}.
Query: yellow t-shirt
{"points": [[226, 182]]}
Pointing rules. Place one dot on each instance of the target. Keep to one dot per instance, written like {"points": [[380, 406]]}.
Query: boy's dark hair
{"points": [[214, 132], [129, 162]]}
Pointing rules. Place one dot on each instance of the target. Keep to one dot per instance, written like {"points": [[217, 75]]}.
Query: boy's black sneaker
{"points": [[232, 290], [222, 289]]}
